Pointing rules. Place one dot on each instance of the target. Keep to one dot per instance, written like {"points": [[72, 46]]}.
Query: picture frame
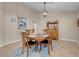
{"points": [[21, 24]]}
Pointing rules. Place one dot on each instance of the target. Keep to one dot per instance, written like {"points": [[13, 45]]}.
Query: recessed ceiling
{"points": [[54, 6]]}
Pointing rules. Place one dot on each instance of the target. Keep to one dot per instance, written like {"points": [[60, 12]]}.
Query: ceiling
{"points": [[54, 6]]}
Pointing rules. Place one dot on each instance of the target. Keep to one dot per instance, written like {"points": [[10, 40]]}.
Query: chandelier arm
{"points": [[44, 11]]}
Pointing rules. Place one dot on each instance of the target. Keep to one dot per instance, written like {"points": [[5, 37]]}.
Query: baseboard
{"points": [[11, 42], [21, 40], [69, 40]]}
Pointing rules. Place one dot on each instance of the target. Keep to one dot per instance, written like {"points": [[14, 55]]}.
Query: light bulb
{"points": [[44, 14]]}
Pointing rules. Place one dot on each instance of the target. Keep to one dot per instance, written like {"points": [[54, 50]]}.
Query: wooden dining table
{"points": [[39, 38]]}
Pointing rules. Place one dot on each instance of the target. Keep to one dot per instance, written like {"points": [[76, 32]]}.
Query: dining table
{"points": [[39, 38]]}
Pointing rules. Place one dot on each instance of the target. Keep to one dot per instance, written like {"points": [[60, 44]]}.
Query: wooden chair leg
{"points": [[51, 45], [40, 46], [27, 51], [36, 47], [22, 50], [48, 50]]}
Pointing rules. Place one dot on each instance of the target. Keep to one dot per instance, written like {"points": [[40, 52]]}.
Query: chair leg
{"points": [[36, 47], [27, 51], [23, 49], [51, 45], [40, 46], [48, 50]]}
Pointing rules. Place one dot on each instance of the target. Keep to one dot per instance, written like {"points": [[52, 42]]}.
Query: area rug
{"points": [[32, 53]]}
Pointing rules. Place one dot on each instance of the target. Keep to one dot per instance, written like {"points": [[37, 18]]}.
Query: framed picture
{"points": [[21, 24]]}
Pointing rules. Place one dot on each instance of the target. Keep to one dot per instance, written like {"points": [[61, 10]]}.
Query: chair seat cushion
{"points": [[45, 42]]}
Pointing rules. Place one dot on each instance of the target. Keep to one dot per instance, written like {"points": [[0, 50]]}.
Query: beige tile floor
{"points": [[61, 49]]}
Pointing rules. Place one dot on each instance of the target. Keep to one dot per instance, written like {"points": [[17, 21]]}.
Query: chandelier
{"points": [[44, 13]]}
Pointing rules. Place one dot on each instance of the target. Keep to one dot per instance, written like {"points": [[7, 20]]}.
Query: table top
{"points": [[38, 37], [35, 35]]}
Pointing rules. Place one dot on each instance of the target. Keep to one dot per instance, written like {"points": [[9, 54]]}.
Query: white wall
{"points": [[1, 22], [67, 24], [10, 32]]}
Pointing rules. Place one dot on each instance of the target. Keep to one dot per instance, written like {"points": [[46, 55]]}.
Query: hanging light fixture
{"points": [[44, 11]]}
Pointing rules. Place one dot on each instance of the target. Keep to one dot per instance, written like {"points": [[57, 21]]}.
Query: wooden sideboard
{"points": [[52, 27]]}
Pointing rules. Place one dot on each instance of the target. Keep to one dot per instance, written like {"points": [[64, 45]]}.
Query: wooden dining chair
{"points": [[43, 41], [27, 43], [51, 34], [46, 43]]}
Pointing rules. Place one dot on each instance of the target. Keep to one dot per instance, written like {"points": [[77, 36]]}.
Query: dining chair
{"points": [[51, 34], [42, 41], [46, 43], [27, 43]]}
